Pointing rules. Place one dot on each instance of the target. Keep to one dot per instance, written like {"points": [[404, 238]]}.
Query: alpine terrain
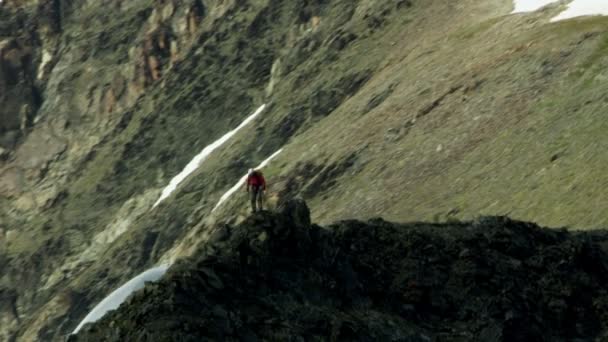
{"points": [[127, 129]]}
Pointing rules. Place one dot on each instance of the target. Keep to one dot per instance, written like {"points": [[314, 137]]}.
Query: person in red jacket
{"points": [[256, 185]]}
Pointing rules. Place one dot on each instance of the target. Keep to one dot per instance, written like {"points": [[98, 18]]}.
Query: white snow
{"points": [[113, 301], [576, 8], [198, 159], [530, 5], [241, 181], [579, 8], [47, 57]]}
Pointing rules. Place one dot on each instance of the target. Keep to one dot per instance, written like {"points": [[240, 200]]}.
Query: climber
{"points": [[256, 185]]}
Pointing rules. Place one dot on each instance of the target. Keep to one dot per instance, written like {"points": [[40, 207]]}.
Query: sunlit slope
{"points": [[503, 117]]}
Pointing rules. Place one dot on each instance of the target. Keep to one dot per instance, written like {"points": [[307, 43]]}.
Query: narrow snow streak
{"points": [[198, 159], [113, 301], [241, 181]]}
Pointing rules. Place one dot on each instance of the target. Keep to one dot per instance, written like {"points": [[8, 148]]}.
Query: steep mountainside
{"points": [[406, 109]]}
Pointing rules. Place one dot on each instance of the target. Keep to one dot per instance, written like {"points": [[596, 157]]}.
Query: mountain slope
{"points": [[410, 110]]}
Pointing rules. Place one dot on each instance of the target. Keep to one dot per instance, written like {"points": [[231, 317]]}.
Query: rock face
{"points": [[277, 277], [19, 98], [28, 35]]}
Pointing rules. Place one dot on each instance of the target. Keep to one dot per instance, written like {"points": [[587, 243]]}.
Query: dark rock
{"points": [[341, 40], [277, 277], [296, 212], [222, 233], [379, 98]]}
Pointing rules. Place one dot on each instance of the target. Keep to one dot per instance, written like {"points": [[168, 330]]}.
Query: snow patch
{"points": [[530, 5], [579, 8], [47, 57], [576, 8], [198, 159], [113, 301], [241, 181]]}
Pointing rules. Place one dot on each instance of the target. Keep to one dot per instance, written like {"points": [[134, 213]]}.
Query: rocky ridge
{"points": [[278, 277]]}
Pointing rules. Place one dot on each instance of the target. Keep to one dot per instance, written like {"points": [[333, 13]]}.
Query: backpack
{"points": [[257, 176]]}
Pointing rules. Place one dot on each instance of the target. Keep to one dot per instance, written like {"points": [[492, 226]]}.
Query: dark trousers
{"points": [[257, 194]]}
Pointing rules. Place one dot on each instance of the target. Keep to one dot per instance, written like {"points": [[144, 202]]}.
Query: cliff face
{"points": [[23, 26], [410, 110]]}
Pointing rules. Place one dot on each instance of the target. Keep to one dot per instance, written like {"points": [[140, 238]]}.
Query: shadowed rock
{"points": [[277, 277]]}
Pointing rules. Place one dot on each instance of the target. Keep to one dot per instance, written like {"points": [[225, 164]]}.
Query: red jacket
{"points": [[256, 179]]}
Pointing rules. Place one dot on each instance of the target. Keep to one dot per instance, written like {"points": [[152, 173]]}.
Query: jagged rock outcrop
{"points": [[18, 94], [28, 38], [277, 277]]}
